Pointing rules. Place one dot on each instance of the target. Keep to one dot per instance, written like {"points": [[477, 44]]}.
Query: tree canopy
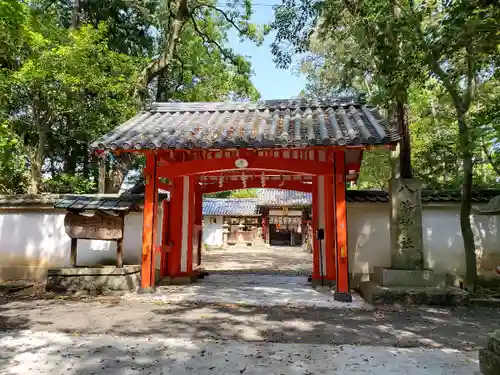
{"points": [[437, 58], [71, 71]]}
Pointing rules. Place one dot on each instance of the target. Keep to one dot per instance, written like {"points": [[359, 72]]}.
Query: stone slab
{"points": [[489, 362], [94, 279], [493, 342], [31, 352], [94, 271], [380, 295], [252, 290], [412, 278]]}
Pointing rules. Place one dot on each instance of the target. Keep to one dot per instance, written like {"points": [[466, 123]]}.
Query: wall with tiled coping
{"points": [[33, 240]]}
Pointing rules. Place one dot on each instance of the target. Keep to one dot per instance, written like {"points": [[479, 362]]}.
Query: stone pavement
{"points": [[28, 352], [253, 290]]}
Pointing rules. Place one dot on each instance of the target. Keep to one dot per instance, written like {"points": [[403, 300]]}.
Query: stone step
{"points": [[413, 278], [380, 295]]}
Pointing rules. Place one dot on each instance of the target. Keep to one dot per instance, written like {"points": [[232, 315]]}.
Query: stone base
{"points": [[445, 296], [342, 297], [489, 362], [151, 289], [178, 280], [97, 279], [317, 282], [390, 277]]}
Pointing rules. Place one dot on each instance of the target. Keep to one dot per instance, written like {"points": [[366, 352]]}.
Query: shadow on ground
{"points": [[460, 328]]}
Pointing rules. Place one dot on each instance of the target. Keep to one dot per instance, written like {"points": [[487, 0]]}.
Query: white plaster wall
{"points": [[443, 243], [368, 237], [37, 238], [212, 233]]}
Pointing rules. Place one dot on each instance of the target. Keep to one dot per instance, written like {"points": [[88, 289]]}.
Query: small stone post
{"points": [[225, 233], [489, 357]]}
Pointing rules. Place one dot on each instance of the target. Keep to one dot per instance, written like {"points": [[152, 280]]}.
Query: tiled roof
{"points": [[276, 197], [478, 196], [250, 206], [230, 207], [28, 200], [114, 202], [272, 123], [101, 203]]}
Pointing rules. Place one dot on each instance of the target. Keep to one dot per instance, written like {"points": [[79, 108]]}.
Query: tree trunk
{"points": [[86, 161], [36, 164], [38, 154], [401, 118], [181, 11], [466, 204], [161, 87], [117, 173], [70, 158], [74, 14]]}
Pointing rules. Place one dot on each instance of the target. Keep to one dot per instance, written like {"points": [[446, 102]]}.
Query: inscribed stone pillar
{"points": [[405, 218], [406, 224]]}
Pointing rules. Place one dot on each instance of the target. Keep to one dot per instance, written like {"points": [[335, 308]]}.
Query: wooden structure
{"points": [[197, 148], [107, 222]]}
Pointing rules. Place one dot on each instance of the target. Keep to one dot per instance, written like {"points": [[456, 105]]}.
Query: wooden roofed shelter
{"points": [[196, 148]]}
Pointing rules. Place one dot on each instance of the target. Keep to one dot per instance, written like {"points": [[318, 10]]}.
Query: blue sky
{"points": [[272, 83]]}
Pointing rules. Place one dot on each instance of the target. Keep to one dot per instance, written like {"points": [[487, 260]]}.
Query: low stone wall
{"points": [[93, 279], [489, 357]]}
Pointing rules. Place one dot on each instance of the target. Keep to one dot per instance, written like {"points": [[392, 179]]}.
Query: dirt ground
{"points": [[460, 328], [258, 259], [44, 333]]}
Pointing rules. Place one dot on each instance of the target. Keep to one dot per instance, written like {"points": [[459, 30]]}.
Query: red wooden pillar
{"points": [[175, 228], [149, 226], [330, 232], [198, 224], [180, 257], [165, 237], [188, 230], [315, 213], [342, 292]]}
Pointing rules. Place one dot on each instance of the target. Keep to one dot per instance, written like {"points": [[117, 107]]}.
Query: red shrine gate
{"points": [[197, 148]]}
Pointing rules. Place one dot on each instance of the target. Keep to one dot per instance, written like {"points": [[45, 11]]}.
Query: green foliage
{"points": [[242, 193], [375, 170], [12, 172], [440, 55], [66, 183], [68, 75]]}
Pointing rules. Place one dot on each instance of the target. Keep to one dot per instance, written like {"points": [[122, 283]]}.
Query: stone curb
{"points": [[489, 362]]}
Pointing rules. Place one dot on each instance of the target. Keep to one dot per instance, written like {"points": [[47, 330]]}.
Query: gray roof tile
{"points": [[278, 197], [272, 123], [230, 207]]}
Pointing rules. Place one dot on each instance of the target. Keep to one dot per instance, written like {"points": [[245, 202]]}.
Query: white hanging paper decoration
{"points": [[244, 181], [221, 181], [262, 180]]}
